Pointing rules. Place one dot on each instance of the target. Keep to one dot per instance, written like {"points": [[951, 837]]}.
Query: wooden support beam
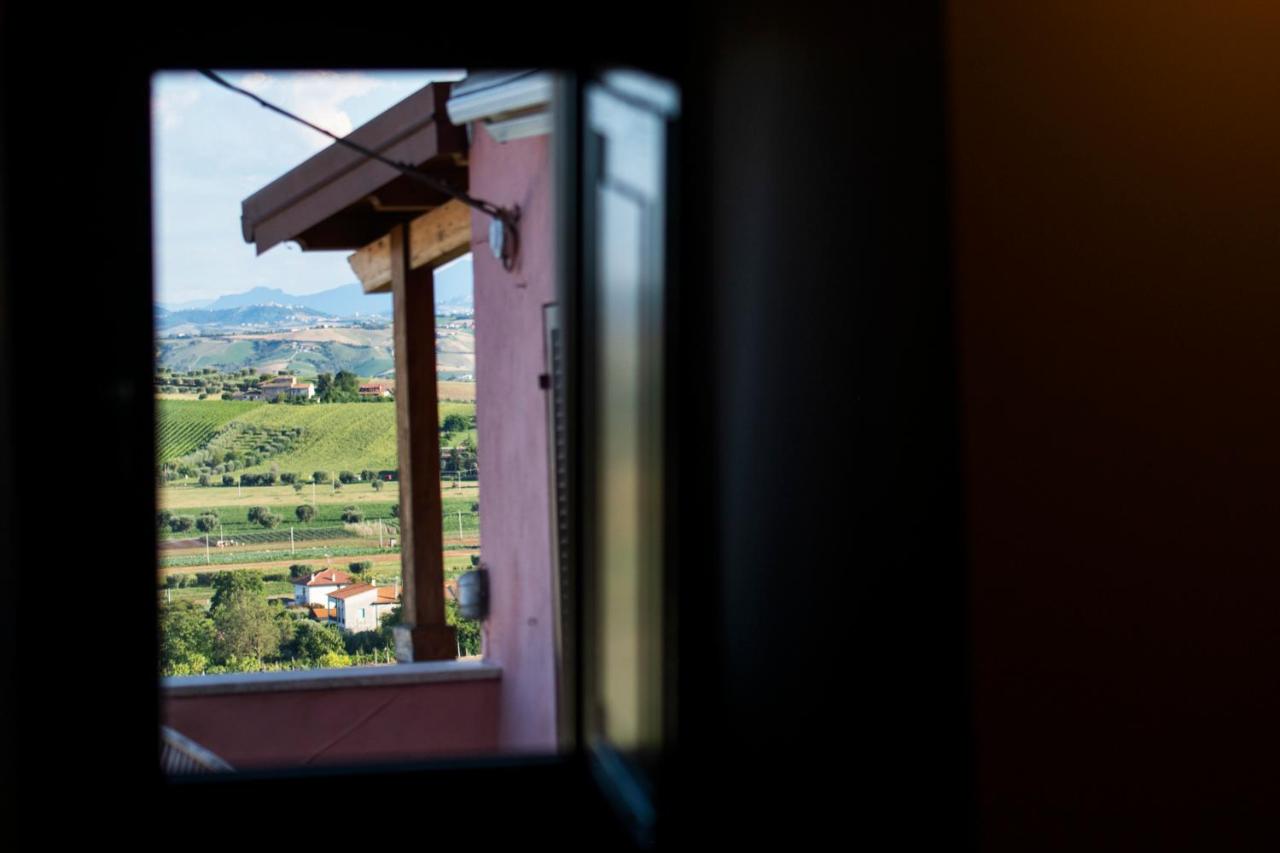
{"points": [[434, 238], [424, 634]]}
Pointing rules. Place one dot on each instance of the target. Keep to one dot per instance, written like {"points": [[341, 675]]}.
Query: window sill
{"points": [[400, 674]]}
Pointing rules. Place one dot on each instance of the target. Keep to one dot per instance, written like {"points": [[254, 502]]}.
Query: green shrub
{"points": [[352, 515], [305, 512]]}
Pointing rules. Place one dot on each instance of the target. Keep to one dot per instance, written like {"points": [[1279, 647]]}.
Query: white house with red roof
{"points": [[315, 588], [361, 606]]}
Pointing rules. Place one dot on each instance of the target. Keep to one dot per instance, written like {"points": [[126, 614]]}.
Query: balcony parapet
{"points": [[366, 714], [395, 675]]}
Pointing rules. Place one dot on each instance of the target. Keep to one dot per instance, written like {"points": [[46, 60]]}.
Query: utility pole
{"points": [[459, 525], [206, 549], [239, 483], [379, 533], [291, 540], [313, 491]]}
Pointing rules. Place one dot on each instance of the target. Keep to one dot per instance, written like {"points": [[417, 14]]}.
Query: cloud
{"points": [[256, 82], [318, 96], [170, 102]]}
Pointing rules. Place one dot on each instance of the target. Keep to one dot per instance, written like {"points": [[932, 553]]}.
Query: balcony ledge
{"points": [[396, 675]]}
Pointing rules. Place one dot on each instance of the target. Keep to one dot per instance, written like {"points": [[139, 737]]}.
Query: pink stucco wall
{"points": [[515, 513], [343, 725]]}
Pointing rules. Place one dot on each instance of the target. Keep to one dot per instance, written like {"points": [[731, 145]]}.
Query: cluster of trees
{"points": [[461, 461], [206, 380], [241, 630], [234, 448], [454, 422], [342, 388], [265, 517]]}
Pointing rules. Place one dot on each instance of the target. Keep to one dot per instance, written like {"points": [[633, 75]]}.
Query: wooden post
{"points": [[424, 634]]}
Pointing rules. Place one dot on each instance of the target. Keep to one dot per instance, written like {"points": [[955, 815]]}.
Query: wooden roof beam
{"points": [[434, 239]]}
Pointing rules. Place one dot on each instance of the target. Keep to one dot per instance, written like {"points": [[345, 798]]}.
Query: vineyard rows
{"points": [[183, 426]]}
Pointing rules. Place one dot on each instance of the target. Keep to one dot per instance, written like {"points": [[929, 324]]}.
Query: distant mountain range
{"points": [[348, 300], [240, 317]]}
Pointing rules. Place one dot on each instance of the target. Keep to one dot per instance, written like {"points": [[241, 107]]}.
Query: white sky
{"points": [[211, 148]]}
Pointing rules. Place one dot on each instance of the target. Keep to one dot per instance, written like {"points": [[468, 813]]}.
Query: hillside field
{"points": [[335, 436]]}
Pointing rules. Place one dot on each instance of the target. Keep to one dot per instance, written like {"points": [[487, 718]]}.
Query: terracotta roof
{"points": [[319, 612], [387, 595], [329, 577], [350, 591], [278, 380]]}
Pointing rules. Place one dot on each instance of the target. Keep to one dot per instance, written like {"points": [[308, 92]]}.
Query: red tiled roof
{"points": [[329, 577], [387, 595], [352, 590]]}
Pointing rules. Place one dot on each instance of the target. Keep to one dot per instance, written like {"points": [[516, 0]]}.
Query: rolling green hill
{"points": [[186, 425], [334, 436]]}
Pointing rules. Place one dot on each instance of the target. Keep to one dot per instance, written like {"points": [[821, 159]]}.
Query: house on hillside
{"points": [[288, 386], [315, 588], [376, 389], [361, 606]]}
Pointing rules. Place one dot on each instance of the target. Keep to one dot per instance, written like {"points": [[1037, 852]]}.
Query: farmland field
{"points": [[186, 425], [334, 437]]}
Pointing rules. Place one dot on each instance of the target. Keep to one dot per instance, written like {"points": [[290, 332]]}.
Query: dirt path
{"points": [[283, 563]]}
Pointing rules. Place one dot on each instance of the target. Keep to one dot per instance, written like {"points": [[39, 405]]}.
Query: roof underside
{"points": [[340, 199]]}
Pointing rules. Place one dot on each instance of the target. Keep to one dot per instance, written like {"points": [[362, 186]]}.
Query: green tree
{"points": [[269, 520], [352, 515], [179, 523], [187, 638], [256, 512], [324, 382], [347, 382], [377, 485], [468, 630], [246, 625], [454, 422], [320, 477], [311, 640], [204, 480], [305, 513], [207, 522], [395, 510], [226, 584], [346, 476]]}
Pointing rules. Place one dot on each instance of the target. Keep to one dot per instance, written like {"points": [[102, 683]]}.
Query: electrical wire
{"points": [[508, 218]]}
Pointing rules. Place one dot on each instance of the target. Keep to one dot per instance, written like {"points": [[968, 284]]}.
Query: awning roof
{"points": [[340, 199]]}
